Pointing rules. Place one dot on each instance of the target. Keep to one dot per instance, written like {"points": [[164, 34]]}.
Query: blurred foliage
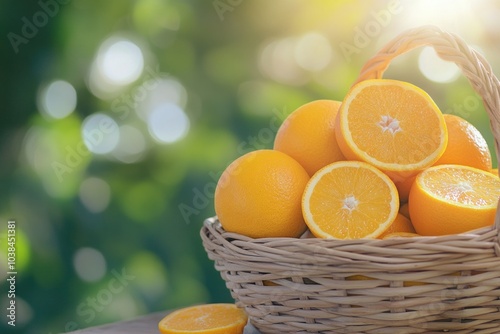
{"points": [[237, 68]]}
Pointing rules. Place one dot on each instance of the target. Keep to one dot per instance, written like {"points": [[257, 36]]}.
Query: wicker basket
{"points": [[419, 285]]}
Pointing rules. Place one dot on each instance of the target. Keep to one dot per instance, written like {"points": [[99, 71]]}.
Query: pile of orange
{"points": [[384, 162]]}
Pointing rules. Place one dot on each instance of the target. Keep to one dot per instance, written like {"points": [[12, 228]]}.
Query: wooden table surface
{"points": [[143, 325]]}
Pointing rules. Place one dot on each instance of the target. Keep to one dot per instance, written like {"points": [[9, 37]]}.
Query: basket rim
{"points": [[450, 237], [481, 241], [472, 251]]}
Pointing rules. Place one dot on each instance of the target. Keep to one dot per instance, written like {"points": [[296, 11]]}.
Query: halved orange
{"points": [[205, 319], [393, 125], [453, 199], [349, 200]]}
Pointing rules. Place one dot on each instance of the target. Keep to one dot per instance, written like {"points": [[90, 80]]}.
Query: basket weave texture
{"points": [[418, 285]]}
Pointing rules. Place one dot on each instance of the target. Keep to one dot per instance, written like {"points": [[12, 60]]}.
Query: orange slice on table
{"points": [[393, 125], [349, 200], [453, 199], [205, 319]]}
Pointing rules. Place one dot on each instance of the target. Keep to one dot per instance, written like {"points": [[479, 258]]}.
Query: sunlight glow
{"points": [[436, 69], [445, 13]]}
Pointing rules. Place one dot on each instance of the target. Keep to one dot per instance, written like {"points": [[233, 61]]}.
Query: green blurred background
{"points": [[118, 117]]}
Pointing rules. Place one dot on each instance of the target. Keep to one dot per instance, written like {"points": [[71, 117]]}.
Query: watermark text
{"points": [[11, 272]]}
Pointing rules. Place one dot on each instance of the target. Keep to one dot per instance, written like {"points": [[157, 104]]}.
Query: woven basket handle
{"points": [[449, 47], [452, 48]]}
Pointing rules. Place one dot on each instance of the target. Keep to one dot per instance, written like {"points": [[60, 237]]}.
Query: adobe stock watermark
{"points": [[125, 103], [31, 26], [121, 107], [422, 317], [11, 272], [203, 196], [471, 103], [223, 6], [365, 34], [89, 308]]}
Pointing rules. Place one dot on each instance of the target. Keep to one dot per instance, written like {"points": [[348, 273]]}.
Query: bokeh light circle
{"points": [[121, 62], [161, 90], [313, 52], [100, 133], [168, 123], [57, 100], [118, 62], [89, 264], [132, 145], [95, 194]]}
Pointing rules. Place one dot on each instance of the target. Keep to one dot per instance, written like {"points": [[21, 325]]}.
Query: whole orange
{"points": [[259, 195], [466, 145], [401, 224], [308, 135]]}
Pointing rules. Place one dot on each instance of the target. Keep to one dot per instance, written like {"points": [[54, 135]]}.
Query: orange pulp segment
{"points": [[349, 200]]}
